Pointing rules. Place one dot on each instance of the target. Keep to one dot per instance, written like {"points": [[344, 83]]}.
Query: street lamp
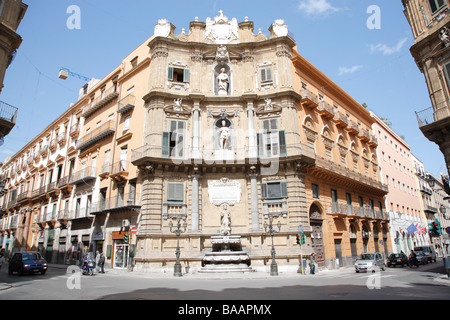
{"points": [[272, 231], [177, 268]]}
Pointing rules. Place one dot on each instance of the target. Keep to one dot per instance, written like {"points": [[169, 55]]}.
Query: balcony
{"points": [[96, 135], [119, 171], [99, 103], [120, 203], [331, 170], [430, 116], [173, 209], [84, 175], [340, 119], [8, 116], [216, 156], [275, 208], [326, 110], [309, 99], [126, 104], [353, 127]]}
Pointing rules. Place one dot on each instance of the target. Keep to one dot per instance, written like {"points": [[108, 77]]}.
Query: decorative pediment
{"points": [[220, 30], [177, 109], [268, 108]]}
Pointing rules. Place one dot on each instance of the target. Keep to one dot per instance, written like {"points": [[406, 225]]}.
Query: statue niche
{"points": [[222, 79]]}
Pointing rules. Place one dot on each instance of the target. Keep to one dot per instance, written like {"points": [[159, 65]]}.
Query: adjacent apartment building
{"points": [[215, 122], [403, 201]]}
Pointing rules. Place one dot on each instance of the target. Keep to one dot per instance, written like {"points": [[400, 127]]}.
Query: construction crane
{"points": [[64, 74]]}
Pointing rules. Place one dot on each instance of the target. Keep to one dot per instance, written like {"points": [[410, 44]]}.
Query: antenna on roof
{"points": [[64, 74]]}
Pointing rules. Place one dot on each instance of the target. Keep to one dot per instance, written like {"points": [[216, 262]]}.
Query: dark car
{"points": [[421, 257], [397, 259], [27, 262]]}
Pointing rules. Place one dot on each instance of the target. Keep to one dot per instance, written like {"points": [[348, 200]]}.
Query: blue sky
{"points": [[372, 65]]}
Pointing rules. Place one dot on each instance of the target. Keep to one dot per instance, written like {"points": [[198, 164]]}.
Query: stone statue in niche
{"points": [[223, 81], [224, 135], [445, 36], [225, 229]]}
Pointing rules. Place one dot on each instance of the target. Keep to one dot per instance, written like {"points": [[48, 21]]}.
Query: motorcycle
{"points": [[88, 266], [412, 261]]}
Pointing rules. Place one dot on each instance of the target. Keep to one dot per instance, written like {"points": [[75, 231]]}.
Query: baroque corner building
{"points": [[430, 25], [221, 132]]}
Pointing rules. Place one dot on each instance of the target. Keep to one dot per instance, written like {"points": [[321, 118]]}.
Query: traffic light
{"points": [[126, 237], [434, 228], [301, 239]]}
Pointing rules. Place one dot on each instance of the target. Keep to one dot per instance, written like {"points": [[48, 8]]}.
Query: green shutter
{"points": [[170, 74], [175, 192], [264, 190], [282, 137], [186, 75], [165, 145], [284, 192]]}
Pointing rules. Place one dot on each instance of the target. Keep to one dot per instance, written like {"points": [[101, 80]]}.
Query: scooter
{"points": [[88, 268]]}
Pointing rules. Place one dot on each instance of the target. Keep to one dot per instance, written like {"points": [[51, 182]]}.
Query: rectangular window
{"points": [[178, 75], [274, 190], [272, 141], [175, 192], [266, 75], [349, 203], [334, 200], [436, 5], [173, 140], [126, 124], [315, 190]]}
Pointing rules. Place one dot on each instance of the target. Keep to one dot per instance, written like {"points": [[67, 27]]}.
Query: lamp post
{"points": [[177, 268], [272, 231]]}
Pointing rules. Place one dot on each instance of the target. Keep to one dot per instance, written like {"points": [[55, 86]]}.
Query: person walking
{"points": [[312, 266], [2, 260], [97, 259], [101, 262]]}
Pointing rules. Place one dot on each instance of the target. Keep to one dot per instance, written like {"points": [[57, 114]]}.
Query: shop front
{"points": [[121, 250]]}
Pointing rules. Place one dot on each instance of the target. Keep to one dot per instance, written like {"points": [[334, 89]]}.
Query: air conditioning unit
{"points": [[125, 223]]}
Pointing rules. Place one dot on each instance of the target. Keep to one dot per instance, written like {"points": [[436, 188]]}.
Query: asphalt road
{"points": [[426, 282]]}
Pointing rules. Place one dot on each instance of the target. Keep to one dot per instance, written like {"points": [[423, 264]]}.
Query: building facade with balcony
{"points": [[219, 119], [345, 206], [430, 24], [403, 202]]}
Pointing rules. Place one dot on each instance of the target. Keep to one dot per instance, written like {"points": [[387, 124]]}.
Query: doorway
{"points": [[121, 251], [316, 222]]}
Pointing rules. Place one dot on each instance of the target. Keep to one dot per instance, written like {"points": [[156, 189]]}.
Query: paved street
{"points": [[426, 282]]}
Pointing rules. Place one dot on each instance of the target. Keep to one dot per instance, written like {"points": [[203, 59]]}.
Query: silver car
{"points": [[372, 261]]}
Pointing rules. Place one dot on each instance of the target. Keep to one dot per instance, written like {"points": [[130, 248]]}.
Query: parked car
{"points": [[429, 252], [397, 259], [27, 262], [372, 261], [421, 257]]}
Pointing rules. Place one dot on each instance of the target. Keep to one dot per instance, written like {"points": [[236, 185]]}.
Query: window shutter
{"points": [[175, 192], [266, 75], [282, 137], [165, 145], [284, 193], [186, 75], [260, 144], [264, 190], [170, 74]]}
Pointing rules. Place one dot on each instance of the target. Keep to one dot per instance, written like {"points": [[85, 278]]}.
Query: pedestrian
{"points": [[97, 258], [101, 262], [312, 266], [2, 259]]}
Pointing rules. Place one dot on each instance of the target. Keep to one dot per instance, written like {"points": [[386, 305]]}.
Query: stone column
{"points": [[195, 203], [254, 198], [196, 132], [151, 210]]}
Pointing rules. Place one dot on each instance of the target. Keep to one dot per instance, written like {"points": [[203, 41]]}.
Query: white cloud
{"points": [[386, 50], [317, 7], [346, 70]]}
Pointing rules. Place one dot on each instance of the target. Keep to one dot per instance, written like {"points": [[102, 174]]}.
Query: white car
{"points": [[372, 261]]}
